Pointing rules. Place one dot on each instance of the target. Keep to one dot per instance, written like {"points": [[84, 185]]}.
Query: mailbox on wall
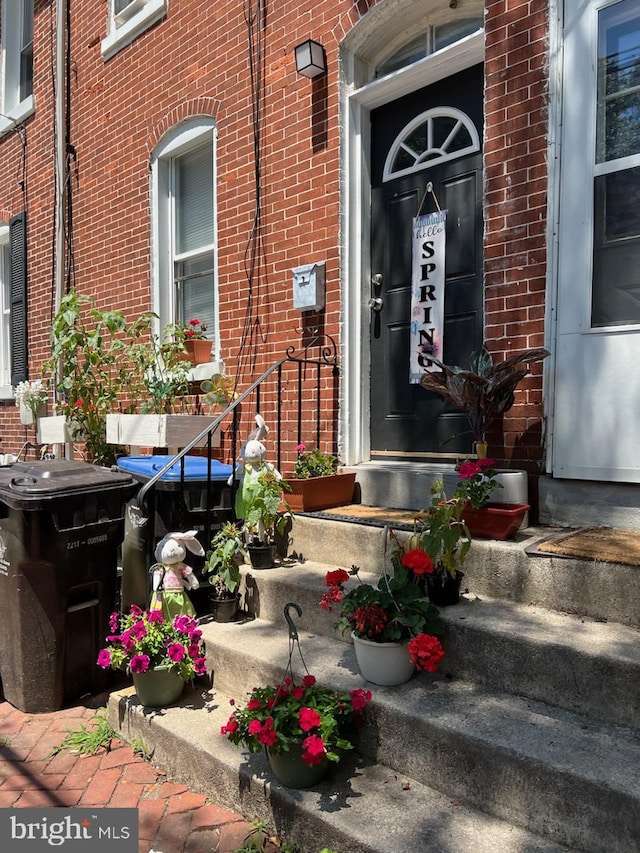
{"points": [[308, 287]]}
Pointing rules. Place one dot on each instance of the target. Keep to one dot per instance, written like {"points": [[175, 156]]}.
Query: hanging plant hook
{"points": [[293, 631]]}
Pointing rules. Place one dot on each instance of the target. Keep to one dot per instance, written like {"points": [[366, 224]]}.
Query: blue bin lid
{"points": [[195, 468]]}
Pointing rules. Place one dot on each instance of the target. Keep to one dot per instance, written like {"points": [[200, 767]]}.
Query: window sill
{"points": [[123, 35], [16, 115]]}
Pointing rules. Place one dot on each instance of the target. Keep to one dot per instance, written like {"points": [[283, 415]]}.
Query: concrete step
{"points": [[557, 774], [361, 807], [569, 661], [500, 570]]}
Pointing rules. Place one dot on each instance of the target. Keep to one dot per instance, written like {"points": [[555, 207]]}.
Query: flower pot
{"points": [[157, 687], [444, 590], [197, 351], [386, 664], [292, 772], [224, 609], [262, 556], [495, 521], [317, 493]]}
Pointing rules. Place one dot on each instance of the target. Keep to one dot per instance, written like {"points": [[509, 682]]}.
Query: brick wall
{"points": [[196, 62], [515, 144]]}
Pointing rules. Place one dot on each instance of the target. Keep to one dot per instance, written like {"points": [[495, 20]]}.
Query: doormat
{"points": [[605, 544], [375, 516]]}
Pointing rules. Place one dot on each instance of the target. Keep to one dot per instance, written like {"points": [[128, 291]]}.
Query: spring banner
{"points": [[427, 293]]}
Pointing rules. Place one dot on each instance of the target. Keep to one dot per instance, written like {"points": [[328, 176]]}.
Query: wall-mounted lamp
{"points": [[311, 60]]}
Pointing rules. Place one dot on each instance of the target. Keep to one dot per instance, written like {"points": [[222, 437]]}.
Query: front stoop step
{"points": [[558, 774], [361, 807], [528, 741]]}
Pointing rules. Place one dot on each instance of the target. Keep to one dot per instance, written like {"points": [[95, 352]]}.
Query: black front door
{"points": [[406, 420]]}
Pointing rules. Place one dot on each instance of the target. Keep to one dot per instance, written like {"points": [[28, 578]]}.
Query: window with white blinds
{"points": [[184, 227]]}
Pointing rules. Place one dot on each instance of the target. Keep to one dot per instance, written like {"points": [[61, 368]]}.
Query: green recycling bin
{"points": [[61, 525]]}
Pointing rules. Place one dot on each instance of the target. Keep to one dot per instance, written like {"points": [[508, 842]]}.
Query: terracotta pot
{"points": [[198, 351], [494, 521], [386, 664], [317, 493]]}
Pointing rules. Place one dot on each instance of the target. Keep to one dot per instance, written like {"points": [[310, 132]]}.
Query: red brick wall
{"points": [[196, 62], [516, 97]]}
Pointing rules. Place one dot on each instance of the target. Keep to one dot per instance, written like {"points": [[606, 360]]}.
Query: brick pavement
{"points": [[172, 819]]}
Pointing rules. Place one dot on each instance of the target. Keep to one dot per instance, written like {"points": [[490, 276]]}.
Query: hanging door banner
{"points": [[427, 293]]}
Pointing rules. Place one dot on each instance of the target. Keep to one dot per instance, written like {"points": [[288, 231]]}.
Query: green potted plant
{"points": [[483, 391], [316, 483], [303, 727], [265, 516], [485, 519], [394, 628], [445, 537], [160, 656], [223, 565], [194, 344]]}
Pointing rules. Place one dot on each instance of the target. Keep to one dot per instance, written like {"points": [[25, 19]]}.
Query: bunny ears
{"points": [[187, 539]]}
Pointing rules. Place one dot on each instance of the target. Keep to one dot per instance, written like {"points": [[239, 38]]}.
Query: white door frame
{"points": [[356, 105]]}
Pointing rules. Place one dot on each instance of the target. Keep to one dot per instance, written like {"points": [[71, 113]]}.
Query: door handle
{"points": [[376, 303]]}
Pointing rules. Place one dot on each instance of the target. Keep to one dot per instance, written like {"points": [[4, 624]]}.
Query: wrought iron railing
{"points": [[311, 383]]}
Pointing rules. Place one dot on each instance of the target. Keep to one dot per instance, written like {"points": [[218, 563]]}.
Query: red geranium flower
{"points": [[336, 577], [419, 562], [426, 652]]}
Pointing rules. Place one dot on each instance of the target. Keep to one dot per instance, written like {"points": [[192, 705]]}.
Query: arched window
{"points": [[435, 136], [184, 226]]}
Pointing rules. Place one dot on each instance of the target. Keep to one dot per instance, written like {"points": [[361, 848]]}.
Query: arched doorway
{"points": [[383, 416]]}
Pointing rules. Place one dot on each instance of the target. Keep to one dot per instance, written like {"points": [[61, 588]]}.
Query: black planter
{"points": [[224, 609], [262, 556], [443, 590]]}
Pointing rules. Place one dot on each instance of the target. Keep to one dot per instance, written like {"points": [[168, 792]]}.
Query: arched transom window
{"points": [[435, 136]]}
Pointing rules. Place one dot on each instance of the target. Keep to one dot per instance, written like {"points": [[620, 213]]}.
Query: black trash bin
{"points": [[177, 507], [61, 525]]}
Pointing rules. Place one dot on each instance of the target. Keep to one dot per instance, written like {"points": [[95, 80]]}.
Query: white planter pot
{"points": [[158, 430], [515, 489], [54, 429], [26, 415], [386, 664]]}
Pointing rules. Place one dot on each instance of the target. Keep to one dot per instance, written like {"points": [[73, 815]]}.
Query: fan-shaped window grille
{"points": [[435, 136]]}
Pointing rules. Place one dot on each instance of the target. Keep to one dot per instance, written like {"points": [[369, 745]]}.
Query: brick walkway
{"points": [[172, 819]]}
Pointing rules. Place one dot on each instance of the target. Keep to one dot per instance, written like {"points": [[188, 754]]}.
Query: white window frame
{"points": [[6, 391], [179, 141], [128, 24], [12, 108]]}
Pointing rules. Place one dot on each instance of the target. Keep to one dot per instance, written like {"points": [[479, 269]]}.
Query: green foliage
{"points": [[307, 714], [313, 463], [265, 511], [445, 536], [140, 749], [87, 741], [100, 364], [399, 596], [484, 390], [223, 561]]}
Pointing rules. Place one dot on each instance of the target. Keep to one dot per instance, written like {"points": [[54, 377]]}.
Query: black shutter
{"points": [[18, 251]]}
